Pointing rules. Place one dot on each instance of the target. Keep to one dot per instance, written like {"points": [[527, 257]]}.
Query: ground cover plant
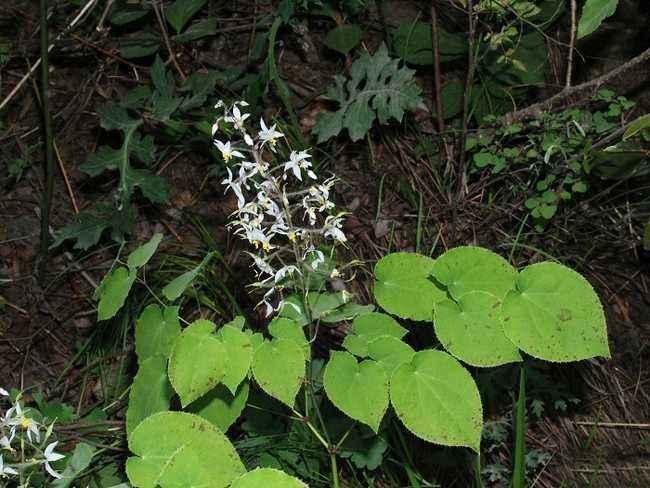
{"points": [[324, 243]]}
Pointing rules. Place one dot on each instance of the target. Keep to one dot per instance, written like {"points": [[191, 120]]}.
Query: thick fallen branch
{"points": [[624, 79]]}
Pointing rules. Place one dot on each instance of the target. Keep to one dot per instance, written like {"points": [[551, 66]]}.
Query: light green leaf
{"points": [[142, 255], [390, 352], [156, 331], [343, 38], [267, 478], [240, 354], [177, 286], [369, 326], [346, 312], [176, 449], [638, 125], [198, 362], [593, 14], [180, 12], [279, 368], [80, 460], [360, 390], [150, 392], [377, 324], [469, 268], [283, 328], [554, 314], [471, 330], [113, 290], [220, 407], [437, 399], [403, 288]]}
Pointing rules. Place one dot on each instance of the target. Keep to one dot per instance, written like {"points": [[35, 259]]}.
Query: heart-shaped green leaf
{"points": [[267, 478], [221, 407], [369, 326], [403, 287], [471, 330], [198, 361], [150, 392], [283, 328], [389, 352], [554, 314], [156, 331], [176, 449], [468, 268], [279, 368], [240, 355], [360, 390], [437, 399]]}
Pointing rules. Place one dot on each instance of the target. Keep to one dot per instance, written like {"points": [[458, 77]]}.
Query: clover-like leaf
{"points": [[360, 390], [267, 478], [156, 331], [554, 314], [471, 330], [177, 449], [150, 392], [198, 362], [220, 406], [403, 287], [469, 268], [279, 368], [437, 399]]}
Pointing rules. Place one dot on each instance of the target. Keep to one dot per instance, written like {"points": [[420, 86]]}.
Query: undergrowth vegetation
{"points": [[322, 243]]}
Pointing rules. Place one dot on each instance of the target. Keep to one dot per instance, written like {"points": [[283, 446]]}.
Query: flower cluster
{"points": [[18, 428], [283, 209]]}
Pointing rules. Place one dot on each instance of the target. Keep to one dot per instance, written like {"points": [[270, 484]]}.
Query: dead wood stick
{"points": [[627, 77]]}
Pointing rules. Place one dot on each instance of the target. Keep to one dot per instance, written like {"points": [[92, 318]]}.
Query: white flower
{"points": [[262, 265], [269, 134], [297, 162], [237, 118], [3, 392], [50, 456], [235, 186], [284, 272], [335, 274], [16, 418], [5, 442], [332, 228], [5, 470], [318, 260], [227, 152]]}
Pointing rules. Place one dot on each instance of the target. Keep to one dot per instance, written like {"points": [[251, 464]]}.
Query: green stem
{"points": [[519, 470], [49, 147], [335, 470]]}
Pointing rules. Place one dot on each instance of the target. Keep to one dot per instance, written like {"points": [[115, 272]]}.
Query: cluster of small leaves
{"points": [[378, 89], [484, 312], [161, 103], [553, 153]]}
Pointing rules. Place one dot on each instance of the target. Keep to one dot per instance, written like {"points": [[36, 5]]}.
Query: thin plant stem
{"points": [[48, 190], [519, 470]]}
